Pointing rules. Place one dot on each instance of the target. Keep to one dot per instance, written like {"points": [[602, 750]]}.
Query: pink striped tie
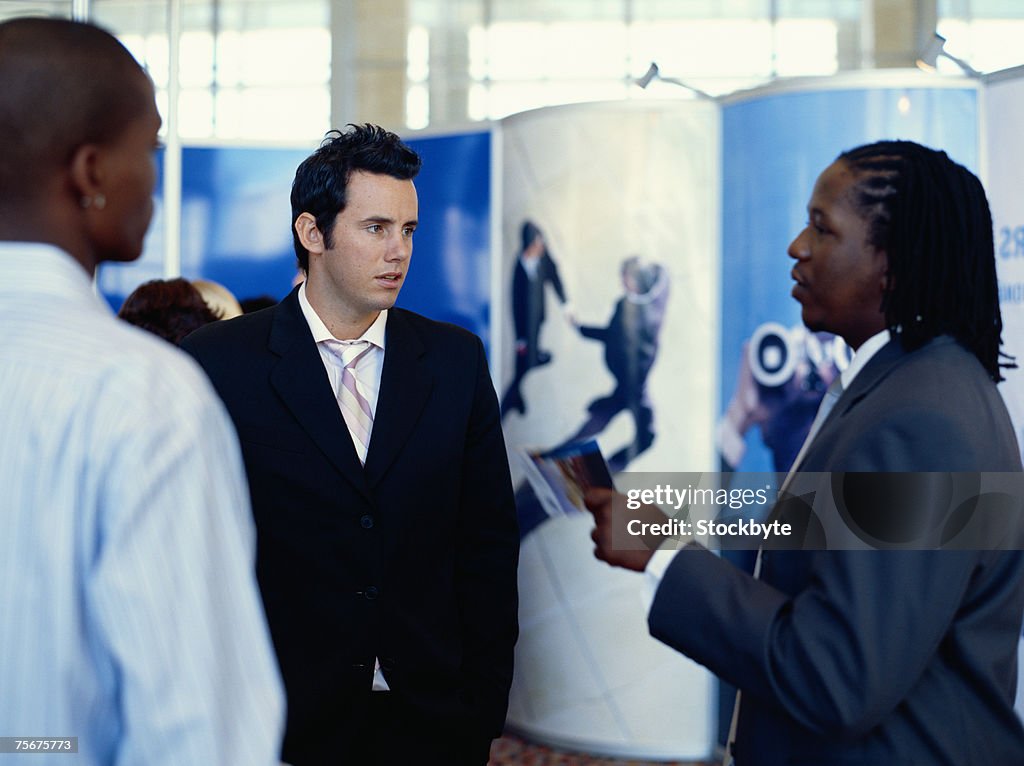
{"points": [[354, 406]]}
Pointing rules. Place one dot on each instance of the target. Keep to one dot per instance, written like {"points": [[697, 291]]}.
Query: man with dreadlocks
{"points": [[874, 656]]}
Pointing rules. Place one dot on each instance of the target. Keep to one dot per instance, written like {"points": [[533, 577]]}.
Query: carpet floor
{"points": [[513, 751]]}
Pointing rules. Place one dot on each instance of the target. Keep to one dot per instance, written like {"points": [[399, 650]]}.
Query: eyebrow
{"points": [[386, 219]]}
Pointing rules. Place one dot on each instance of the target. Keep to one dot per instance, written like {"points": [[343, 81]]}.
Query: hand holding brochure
{"points": [[561, 477]]}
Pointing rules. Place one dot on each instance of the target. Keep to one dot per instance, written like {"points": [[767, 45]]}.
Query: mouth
{"points": [[800, 285], [390, 278]]}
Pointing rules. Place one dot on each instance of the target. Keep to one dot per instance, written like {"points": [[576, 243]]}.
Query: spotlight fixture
{"points": [[654, 73], [651, 73], [937, 47]]}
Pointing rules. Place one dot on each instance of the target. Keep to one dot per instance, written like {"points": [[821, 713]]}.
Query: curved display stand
{"points": [[604, 183]]}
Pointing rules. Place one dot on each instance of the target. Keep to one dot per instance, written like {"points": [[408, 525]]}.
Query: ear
{"points": [[309, 233], [85, 171]]}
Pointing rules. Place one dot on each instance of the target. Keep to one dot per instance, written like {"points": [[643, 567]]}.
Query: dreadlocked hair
{"points": [[931, 217]]}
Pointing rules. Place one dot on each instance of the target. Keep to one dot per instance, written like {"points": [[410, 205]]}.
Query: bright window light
{"points": [[988, 45], [417, 54], [196, 59], [515, 54], [284, 56], [478, 102], [517, 51], [273, 114], [195, 113], [417, 107], [585, 49], [151, 51], [725, 47], [476, 36], [806, 47]]}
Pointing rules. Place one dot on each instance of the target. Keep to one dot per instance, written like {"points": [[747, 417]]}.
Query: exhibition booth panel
{"points": [[614, 337], [1002, 121], [1002, 100]]}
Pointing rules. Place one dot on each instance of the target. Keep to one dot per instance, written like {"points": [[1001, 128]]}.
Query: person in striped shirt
{"points": [[131, 629]]}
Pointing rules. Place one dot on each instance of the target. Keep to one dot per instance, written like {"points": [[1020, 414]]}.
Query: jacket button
{"points": [[366, 522], [371, 593]]}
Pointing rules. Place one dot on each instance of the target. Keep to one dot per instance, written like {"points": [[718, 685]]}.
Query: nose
{"points": [[798, 248], [400, 247]]}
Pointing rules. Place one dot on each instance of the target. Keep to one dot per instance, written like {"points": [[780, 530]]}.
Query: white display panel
{"points": [[604, 182], [1003, 129]]}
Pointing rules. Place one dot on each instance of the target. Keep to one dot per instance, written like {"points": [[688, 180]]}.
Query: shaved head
{"points": [[78, 134], [65, 84]]}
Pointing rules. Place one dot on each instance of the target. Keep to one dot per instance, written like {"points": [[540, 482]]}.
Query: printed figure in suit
{"points": [[874, 656], [387, 539], [535, 268], [630, 350]]}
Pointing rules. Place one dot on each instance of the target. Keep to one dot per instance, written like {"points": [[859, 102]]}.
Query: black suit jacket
{"points": [[411, 558], [880, 656]]}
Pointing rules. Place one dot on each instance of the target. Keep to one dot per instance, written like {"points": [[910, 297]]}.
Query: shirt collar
{"points": [[863, 355], [46, 269], [375, 333]]}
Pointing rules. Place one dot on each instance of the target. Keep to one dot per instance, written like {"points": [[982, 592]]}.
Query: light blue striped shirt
{"points": [[129, 613]]}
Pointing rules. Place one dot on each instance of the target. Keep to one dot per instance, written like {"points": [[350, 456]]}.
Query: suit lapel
{"points": [[888, 358], [301, 380], [405, 386], [874, 372]]}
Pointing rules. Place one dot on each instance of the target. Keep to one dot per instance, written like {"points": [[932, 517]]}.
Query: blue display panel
{"points": [[773, 148], [236, 218], [451, 270]]}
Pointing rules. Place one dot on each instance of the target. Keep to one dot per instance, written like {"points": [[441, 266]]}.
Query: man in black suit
{"points": [[876, 656], [534, 269], [387, 540], [630, 350]]}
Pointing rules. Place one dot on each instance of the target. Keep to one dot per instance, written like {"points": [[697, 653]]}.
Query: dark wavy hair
{"points": [[931, 217], [170, 308], [321, 181]]}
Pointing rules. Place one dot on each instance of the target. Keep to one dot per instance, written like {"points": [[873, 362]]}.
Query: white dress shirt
{"points": [[369, 383], [369, 369], [130, 612]]}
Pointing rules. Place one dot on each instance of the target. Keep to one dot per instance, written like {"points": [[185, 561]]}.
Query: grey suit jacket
{"points": [[872, 657]]}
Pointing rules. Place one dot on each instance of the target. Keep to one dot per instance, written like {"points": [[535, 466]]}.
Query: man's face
{"points": [[128, 177], [840, 277], [535, 249], [362, 271]]}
